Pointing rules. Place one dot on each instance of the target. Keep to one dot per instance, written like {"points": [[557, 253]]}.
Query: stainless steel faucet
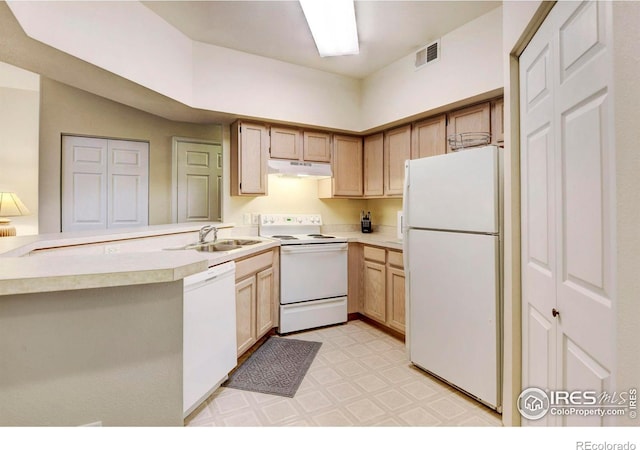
{"points": [[204, 231]]}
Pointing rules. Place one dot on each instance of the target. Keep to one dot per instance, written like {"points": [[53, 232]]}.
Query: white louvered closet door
{"points": [[567, 181]]}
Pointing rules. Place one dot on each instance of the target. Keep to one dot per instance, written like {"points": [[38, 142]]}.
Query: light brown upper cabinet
{"points": [[374, 165], [397, 149], [429, 137], [473, 119], [497, 121], [249, 154], [347, 169], [317, 146], [286, 143]]}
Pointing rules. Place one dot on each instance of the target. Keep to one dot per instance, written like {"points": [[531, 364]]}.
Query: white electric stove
{"points": [[313, 271]]}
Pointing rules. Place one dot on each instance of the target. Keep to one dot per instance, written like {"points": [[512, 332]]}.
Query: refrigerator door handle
{"points": [[405, 216]]}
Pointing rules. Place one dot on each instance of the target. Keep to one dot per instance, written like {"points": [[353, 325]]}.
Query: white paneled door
{"points": [[567, 176], [198, 181], [105, 183], [127, 184]]}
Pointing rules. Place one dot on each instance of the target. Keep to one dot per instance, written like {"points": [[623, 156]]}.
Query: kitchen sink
{"points": [[225, 245], [242, 241], [222, 245], [219, 246]]}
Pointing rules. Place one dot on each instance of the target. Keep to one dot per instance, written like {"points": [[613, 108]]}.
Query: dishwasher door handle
{"points": [[209, 275]]}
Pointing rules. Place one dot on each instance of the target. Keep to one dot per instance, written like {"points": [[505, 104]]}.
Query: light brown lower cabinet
{"points": [[257, 298], [375, 291], [395, 299], [265, 307], [383, 295], [246, 334]]}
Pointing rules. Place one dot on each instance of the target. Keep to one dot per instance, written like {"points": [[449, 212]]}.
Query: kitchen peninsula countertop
{"points": [[51, 262]]}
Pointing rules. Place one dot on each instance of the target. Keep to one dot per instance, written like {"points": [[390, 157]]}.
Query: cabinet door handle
{"points": [[555, 312]]}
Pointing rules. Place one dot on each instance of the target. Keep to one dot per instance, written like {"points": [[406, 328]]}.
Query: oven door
{"points": [[312, 272]]}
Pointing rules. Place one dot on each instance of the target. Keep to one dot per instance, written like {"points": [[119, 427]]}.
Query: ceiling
{"points": [[387, 30]]}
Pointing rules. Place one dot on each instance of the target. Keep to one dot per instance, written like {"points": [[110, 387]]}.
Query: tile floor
{"points": [[360, 377]]}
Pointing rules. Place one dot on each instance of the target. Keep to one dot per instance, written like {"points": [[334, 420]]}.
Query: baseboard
{"points": [[390, 331]]}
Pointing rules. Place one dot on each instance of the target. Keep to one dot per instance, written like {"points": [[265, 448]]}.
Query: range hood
{"points": [[299, 168]]}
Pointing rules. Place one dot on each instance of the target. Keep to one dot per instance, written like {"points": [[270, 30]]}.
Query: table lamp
{"points": [[10, 206]]}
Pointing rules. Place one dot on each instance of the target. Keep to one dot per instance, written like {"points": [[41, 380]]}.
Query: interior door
{"points": [[199, 181], [568, 216], [128, 183], [538, 211], [585, 190], [84, 183]]}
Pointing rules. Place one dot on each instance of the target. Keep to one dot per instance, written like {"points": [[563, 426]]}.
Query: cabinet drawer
{"points": [[395, 259], [253, 264], [374, 254]]}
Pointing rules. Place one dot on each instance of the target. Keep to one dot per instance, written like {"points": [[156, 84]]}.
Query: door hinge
{"points": [[240, 129], [240, 186]]}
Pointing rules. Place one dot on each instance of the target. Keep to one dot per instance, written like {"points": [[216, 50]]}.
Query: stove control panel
{"points": [[290, 219]]}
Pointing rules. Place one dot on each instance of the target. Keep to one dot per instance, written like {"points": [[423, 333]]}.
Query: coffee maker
{"points": [[365, 222]]}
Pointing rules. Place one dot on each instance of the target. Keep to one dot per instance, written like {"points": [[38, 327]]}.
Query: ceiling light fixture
{"points": [[333, 26]]}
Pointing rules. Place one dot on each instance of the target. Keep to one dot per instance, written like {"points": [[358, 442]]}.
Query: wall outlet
{"points": [[255, 218], [109, 249], [246, 219]]}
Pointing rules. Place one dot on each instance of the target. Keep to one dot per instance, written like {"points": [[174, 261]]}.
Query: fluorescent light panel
{"points": [[333, 26]]}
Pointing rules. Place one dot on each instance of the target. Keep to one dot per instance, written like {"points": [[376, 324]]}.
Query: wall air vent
{"points": [[428, 54]]}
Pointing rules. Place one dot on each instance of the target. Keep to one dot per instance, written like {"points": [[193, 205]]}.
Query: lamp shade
{"points": [[11, 205]]}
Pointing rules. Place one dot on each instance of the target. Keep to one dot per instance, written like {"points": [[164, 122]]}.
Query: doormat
{"points": [[277, 367]]}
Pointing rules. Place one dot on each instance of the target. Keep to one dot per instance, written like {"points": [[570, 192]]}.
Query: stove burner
{"points": [[285, 237], [320, 236]]}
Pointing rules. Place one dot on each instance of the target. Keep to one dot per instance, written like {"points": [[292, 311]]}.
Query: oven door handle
{"points": [[314, 248]]}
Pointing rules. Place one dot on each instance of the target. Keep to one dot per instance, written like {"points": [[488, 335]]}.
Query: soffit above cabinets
{"points": [[387, 30]]}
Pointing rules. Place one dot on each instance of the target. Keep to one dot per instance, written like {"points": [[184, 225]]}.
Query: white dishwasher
{"points": [[209, 333]]}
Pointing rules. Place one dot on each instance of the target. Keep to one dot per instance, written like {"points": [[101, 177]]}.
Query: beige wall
{"points": [[19, 110], [626, 40], [196, 74], [116, 357], [398, 90], [384, 211], [295, 195], [218, 79], [66, 110]]}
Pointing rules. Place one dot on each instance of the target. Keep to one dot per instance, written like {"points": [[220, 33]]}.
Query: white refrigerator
{"points": [[452, 249]]}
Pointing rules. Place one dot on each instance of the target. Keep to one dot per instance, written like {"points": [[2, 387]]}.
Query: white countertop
{"points": [[379, 239], [23, 272], [51, 262], [45, 273], [23, 245]]}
